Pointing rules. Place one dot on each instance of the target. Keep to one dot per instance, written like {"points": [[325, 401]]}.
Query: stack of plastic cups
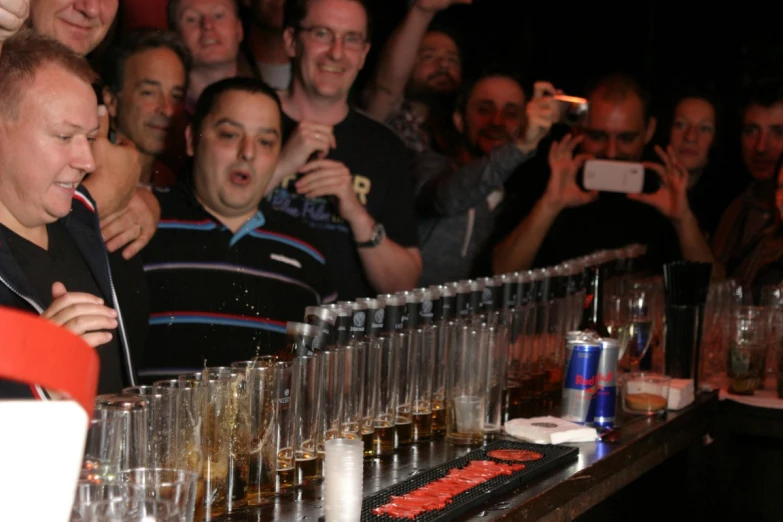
{"points": [[343, 474]]}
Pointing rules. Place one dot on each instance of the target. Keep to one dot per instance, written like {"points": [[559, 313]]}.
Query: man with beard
{"points": [[144, 87], [567, 222], [457, 201], [418, 70], [264, 44], [749, 216]]}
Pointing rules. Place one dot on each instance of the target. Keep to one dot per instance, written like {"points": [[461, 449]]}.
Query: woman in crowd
{"points": [[693, 135]]}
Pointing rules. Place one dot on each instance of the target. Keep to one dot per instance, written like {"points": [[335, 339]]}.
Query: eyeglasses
{"points": [[351, 41]]}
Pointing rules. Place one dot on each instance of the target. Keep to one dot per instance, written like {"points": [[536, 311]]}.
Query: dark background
{"points": [[720, 46]]}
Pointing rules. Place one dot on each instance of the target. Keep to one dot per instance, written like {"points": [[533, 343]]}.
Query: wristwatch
{"points": [[378, 233]]}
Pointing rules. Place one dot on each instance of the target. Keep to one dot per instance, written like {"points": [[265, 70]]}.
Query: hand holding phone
{"points": [[562, 190], [671, 196], [613, 176], [541, 114], [573, 110]]}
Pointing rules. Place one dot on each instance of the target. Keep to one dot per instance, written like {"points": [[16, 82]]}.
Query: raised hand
{"points": [[13, 13], [81, 313], [671, 199], [330, 178], [133, 226], [306, 140], [438, 5], [541, 113], [117, 170], [562, 190]]}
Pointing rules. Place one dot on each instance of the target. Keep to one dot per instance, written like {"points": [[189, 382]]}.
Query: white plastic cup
{"points": [[343, 480]]}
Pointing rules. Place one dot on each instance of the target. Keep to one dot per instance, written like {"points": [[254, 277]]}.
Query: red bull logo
{"points": [[582, 381]]}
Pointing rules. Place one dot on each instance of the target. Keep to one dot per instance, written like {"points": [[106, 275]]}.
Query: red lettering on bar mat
{"points": [[457, 487]]}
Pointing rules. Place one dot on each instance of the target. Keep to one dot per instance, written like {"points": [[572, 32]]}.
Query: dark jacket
{"points": [[83, 225], [455, 218]]}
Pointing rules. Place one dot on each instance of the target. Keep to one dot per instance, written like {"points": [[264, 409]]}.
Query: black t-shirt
{"points": [[378, 162], [612, 221], [64, 263], [130, 286]]}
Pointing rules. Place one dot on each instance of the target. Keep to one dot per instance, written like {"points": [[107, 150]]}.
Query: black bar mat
{"points": [[553, 456]]}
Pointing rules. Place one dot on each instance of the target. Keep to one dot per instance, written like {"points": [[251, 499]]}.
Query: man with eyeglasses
{"points": [[344, 174]]}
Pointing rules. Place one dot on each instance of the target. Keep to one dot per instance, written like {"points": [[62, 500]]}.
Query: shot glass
{"points": [[133, 510], [172, 485], [645, 393]]}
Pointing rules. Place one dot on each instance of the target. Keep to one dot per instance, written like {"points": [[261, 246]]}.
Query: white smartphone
{"points": [[613, 176]]}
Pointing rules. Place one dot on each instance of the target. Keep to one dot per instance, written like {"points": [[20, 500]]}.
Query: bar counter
{"points": [[602, 468]]}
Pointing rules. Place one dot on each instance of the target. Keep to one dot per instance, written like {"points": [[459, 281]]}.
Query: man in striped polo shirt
{"points": [[225, 274]]}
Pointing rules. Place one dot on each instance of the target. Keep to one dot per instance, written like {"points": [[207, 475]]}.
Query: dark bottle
{"points": [[302, 340], [593, 314], [341, 332], [376, 311], [324, 319]]}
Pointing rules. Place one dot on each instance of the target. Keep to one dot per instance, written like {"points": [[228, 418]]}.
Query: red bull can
{"points": [[605, 397], [581, 380]]}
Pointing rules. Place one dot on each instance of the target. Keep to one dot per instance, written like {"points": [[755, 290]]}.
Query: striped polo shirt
{"points": [[219, 296]]}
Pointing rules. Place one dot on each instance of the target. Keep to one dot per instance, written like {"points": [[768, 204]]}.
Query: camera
{"points": [[618, 176], [573, 110]]}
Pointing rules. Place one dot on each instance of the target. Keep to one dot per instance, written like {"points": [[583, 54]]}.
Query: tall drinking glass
{"points": [[422, 346], [497, 351], [467, 385], [262, 389], [372, 375], [403, 424], [162, 427], [353, 391], [334, 368], [238, 418], [103, 449], [216, 444], [641, 322], [284, 443], [134, 411], [307, 397], [388, 349], [747, 349]]}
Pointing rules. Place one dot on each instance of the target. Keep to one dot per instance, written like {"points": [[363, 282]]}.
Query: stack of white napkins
{"points": [[680, 394], [550, 430]]}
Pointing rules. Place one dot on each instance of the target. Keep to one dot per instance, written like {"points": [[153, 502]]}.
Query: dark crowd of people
{"points": [[178, 187]]}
